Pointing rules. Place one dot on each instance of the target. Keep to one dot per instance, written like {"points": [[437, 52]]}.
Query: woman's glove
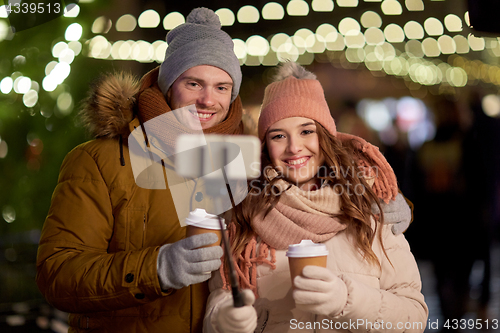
{"points": [[183, 263], [396, 212], [238, 320], [319, 291]]}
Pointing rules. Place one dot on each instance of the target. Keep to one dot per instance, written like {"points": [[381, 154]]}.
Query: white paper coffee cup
{"points": [[303, 254], [200, 222]]}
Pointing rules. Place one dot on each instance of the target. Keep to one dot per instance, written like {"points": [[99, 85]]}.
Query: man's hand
{"points": [[238, 320], [183, 263], [396, 212]]}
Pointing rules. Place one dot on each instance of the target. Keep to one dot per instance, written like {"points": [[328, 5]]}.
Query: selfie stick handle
{"points": [[237, 295]]}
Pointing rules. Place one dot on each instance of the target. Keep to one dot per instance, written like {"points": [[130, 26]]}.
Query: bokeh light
{"points": [[173, 20], [394, 33], [22, 84], [453, 23], [349, 26], [73, 32], [9, 214], [391, 7], [414, 5], [226, 16], [322, 5], [347, 3], [65, 103], [76, 47], [491, 105], [4, 149], [374, 36], [4, 30], [101, 25], [297, 8], [6, 85], [371, 19], [71, 10], [462, 44], [30, 98], [273, 11], [149, 19], [414, 48], [126, 23], [257, 46], [376, 114], [355, 41], [456, 77], [160, 47], [67, 56], [58, 48], [413, 30], [240, 48], [3, 12], [447, 44], [248, 14], [476, 43], [433, 26], [430, 47]]}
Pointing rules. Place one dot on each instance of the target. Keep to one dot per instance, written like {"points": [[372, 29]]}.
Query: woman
{"points": [[316, 184]]}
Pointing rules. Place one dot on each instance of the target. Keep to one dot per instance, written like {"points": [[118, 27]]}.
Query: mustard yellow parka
{"points": [[99, 245]]}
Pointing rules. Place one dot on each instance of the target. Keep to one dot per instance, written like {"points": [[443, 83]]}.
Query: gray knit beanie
{"points": [[199, 41]]}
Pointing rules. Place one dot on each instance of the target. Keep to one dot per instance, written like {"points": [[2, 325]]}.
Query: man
{"points": [[113, 253]]}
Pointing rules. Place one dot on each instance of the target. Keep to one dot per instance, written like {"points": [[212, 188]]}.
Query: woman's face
{"points": [[294, 150]]}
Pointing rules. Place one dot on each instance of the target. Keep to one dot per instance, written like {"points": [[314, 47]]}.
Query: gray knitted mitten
{"points": [[183, 263], [396, 212]]}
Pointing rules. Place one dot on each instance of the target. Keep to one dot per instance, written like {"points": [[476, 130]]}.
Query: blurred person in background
{"points": [[303, 193], [451, 194], [114, 254]]}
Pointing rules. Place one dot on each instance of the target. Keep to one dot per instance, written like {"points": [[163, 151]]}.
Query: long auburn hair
{"points": [[356, 208]]}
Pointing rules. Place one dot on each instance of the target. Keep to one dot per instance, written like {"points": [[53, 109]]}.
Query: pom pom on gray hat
{"points": [[199, 41], [204, 16]]}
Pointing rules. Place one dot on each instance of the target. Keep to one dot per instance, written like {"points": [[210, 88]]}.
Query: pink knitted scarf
{"points": [[298, 215], [385, 186]]}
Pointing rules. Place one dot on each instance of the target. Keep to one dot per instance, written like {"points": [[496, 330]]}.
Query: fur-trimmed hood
{"points": [[109, 106]]}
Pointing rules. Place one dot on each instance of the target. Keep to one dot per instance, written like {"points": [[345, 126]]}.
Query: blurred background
{"points": [[418, 78]]}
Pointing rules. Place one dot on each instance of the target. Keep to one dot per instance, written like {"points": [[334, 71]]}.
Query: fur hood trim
{"points": [[109, 106]]}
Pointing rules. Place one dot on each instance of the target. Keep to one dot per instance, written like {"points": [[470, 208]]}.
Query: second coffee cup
{"points": [[303, 254], [200, 222]]}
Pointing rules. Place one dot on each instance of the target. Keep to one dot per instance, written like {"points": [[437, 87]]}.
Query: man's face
{"points": [[208, 88]]}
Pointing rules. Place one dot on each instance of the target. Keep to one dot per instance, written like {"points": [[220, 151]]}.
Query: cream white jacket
{"points": [[386, 299]]}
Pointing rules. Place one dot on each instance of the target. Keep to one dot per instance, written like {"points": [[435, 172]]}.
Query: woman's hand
{"points": [[319, 291], [238, 320]]}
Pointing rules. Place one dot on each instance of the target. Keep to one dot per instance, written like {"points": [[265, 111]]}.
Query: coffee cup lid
{"points": [[201, 219], [306, 248]]}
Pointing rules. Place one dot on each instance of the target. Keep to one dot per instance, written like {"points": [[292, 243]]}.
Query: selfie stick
{"points": [[237, 296]]}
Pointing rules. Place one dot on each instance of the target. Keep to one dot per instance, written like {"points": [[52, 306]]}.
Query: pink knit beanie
{"points": [[295, 93]]}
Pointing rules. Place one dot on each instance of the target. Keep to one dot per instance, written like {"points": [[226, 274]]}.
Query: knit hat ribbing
{"points": [[297, 93], [199, 41]]}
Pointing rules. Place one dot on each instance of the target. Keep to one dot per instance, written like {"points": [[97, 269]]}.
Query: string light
{"points": [[374, 45]]}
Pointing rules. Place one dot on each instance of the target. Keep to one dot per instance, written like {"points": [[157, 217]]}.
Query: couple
{"points": [[114, 255]]}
